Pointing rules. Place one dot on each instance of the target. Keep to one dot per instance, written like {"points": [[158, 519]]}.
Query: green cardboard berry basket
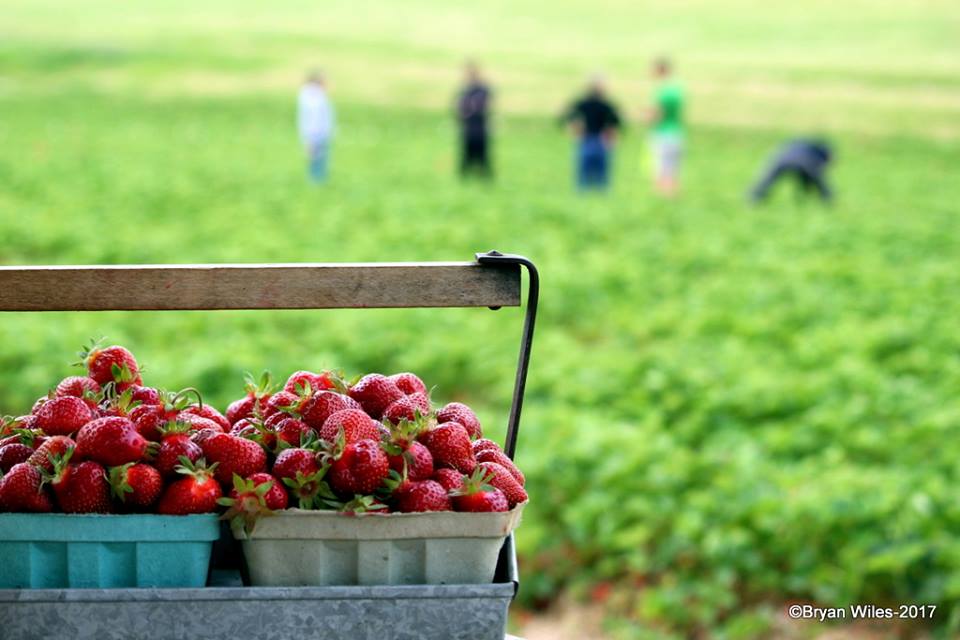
{"points": [[226, 608]]}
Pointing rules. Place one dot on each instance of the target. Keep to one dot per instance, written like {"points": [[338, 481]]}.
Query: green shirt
{"points": [[669, 101]]}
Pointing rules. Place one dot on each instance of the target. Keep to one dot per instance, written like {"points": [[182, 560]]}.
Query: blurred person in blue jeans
{"points": [[315, 121], [595, 122]]}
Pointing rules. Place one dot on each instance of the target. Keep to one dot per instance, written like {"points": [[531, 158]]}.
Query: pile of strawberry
{"points": [[105, 443]]}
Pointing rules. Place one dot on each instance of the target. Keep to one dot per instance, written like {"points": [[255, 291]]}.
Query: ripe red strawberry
{"points": [[13, 454], [324, 404], [283, 401], [408, 408], [197, 423], [375, 392], [80, 387], [63, 416], [251, 498], [111, 441], [489, 455], [234, 455], [362, 504], [302, 474], [21, 489], [307, 383], [450, 446], [359, 467], [145, 395], [258, 393], [500, 477], [355, 425], [462, 414], [483, 444], [80, 488], [135, 484], [478, 496], [199, 437], [196, 492], [293, 432], [451, 479], [409, 383], [151, 418], [210, 413], [173, 447], [426, 495], [51, 448], [112, 364], [416, 458]]}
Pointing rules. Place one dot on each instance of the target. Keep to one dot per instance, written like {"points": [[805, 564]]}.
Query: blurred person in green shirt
{"points": [[666, 121]]}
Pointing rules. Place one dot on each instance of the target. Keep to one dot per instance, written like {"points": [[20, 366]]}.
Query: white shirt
{"points": [[315, 117]]}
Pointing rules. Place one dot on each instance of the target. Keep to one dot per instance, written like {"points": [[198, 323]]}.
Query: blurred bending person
{"points": [[594, 121], [666, 121], [315, 121], [806, 161], [473, 116]]}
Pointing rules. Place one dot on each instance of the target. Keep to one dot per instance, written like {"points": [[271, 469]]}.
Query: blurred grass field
{"points": [[729, 407]]}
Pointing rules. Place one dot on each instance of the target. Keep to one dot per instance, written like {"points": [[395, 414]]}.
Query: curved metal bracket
{"points": [[526, 341]]}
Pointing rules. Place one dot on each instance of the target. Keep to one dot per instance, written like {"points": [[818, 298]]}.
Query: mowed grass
{"points": [[728, 406]]}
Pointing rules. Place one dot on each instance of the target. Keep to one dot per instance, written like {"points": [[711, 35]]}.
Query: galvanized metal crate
{"points": [[226, 609]]}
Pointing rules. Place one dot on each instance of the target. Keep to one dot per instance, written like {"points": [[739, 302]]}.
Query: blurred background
{"points": [[730, 408]]}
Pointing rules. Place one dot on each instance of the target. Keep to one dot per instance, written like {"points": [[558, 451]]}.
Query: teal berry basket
{"points": [[59, 551]]}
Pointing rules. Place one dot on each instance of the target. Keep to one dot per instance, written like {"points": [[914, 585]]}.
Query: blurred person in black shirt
{"points": [[473, 114], [805, 160], [595, 123]]}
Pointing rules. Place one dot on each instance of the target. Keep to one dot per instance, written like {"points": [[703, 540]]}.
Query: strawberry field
{"points": [[728, 407]]}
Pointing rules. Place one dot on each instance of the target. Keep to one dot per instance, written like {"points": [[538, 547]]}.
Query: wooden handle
{"points": [[258, 286]]}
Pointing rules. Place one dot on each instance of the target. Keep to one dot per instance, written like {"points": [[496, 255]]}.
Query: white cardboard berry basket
{"points": [[226, 609]]}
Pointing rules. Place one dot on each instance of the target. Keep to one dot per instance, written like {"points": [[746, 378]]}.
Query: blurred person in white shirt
{"points": [[315, 120]]}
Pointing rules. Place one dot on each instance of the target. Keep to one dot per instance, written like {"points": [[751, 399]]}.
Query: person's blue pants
{"points": [[593, 163], [318, 154]]}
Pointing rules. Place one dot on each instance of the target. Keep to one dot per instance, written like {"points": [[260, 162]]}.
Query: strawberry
{"points": [[293, 432], [426, 495], [451, 479], [196, 423], [489, 455], [283, 401], [324, 404], [500, 477], [150, 418], [375, 392], [80, 387], [13, 454], [135, 484], [199, 437], [111, 364], [258, 393], [63, 416], [145, 395], [21, 489], [111, 441], [174, 446], [234, 455], [450, 446], [482, 444], [306, 382], [9, 425], [359, 467], [80, 488], [461, 413], [361, 504], [52, 447], [416, 458], [208, 412], [355, 425], [478, 496], [251, 498], [408, 408], [196, 492], [409, 383], [300, 471]]}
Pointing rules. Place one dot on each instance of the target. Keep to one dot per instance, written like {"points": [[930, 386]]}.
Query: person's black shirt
{"points": [[595, 114], [472, 110]]}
